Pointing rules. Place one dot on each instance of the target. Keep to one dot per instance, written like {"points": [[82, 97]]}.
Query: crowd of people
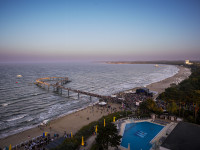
{"points": [[103, 109], [130, 99], [37, 143]]}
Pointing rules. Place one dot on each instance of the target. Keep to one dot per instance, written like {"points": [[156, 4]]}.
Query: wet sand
{"points": [[73, 122]]}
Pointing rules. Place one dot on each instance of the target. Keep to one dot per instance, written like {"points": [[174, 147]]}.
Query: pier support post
{"points": [[57, 89], [78, 95], [90, 98], [68, 93]]}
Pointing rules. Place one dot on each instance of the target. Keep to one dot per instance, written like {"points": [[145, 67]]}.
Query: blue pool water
{"points": [[139, 135]]}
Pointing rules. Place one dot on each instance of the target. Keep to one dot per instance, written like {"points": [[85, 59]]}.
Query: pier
{"points": [[58, 86]]}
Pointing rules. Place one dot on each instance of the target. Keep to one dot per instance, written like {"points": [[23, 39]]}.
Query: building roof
{"points": [[184, 136]]}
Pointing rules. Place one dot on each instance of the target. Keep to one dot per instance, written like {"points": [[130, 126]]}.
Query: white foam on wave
{"points": [[53, 111], [168, 72], [16, 117], [3, 135], [74, 102], [104, 87], [5, 104], [76, 110], [29, 119], [54, 108]]}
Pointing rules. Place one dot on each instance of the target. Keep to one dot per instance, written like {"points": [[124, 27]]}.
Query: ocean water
{"points": [[23, 105]]}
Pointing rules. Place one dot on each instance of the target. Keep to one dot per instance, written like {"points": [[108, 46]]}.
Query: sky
{"points": [[99, 30]]}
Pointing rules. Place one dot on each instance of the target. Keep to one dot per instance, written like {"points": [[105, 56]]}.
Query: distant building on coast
{"points": [[156, 65], [187, 62]]}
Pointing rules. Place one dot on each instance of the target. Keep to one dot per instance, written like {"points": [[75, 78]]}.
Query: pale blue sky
{"points": [[100, 29]]}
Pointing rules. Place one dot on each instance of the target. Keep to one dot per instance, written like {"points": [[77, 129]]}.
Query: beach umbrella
{"points": [[114, 119], [71, 135], [104, 123], [10, 147], [46, 133], [96, 129], [82, 143]]}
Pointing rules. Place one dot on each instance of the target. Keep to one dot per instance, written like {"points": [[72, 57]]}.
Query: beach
{"points": [[69, 123], [73, 122], [160, 86]]}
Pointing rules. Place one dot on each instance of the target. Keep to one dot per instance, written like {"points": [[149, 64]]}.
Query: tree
{"points": [[150, 106], [108, 136], [197, 104], [159, 110], [172, 107]]}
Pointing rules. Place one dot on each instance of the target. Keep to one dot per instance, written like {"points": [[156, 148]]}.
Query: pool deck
{"points": [[163, 133]]}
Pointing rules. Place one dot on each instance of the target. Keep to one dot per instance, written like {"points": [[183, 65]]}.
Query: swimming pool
{"points": [[139, 135]]}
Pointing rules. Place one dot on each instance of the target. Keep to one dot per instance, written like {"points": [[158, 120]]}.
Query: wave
{"points": [[16, 118], [105, 81], [11, 132], [5, 104], [6, 134]]}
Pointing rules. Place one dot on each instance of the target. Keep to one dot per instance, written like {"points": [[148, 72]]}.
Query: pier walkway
{"points": [[58, 86]]}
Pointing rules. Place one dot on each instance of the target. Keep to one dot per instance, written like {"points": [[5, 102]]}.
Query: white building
{"points": [[187, 62]]}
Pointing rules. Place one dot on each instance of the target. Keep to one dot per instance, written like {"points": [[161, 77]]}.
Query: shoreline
{"points": [[76, 120], [160, 86], [70, 123]]}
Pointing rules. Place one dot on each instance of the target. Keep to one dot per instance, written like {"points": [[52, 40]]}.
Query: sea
{"points": [[24, 105]]}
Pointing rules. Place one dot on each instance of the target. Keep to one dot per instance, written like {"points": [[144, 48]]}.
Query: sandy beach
{"points": [[160, 86], [73, 122], [69, 123]]}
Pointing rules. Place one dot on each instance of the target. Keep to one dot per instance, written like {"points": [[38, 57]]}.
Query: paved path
{"points": [[89, 142]]}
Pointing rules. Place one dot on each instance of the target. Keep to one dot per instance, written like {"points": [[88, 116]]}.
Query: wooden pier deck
{"points": [[58, 86]]}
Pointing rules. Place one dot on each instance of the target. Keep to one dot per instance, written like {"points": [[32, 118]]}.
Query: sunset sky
{"points": [[99, 30]]}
